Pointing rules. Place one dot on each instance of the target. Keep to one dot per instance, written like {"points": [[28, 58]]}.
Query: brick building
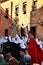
{"points": [[5, 23], [36, 22]]}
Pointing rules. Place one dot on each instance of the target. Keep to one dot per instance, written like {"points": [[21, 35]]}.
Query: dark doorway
{"points": [[6, 32], [33, 28]]}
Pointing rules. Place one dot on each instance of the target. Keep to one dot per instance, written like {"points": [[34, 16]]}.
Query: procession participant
{"points": [[16, 40], [10, 39], [5, 39], [31, 43], [1, 42], [6, 45], [18, 37], [35, 51], [39, 42], [15, 48], [30, 35], [22, 30], [22, 45], [25, 40]]}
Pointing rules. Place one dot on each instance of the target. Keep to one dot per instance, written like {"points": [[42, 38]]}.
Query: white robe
{"points": [[22, 45], [39, 42]]}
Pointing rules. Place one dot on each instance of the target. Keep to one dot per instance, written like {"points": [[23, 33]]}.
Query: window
{"points": [[16, 19], [6, 13], [24, 7], [6, 32], [16, 10], [34, 6], [33, 29]]}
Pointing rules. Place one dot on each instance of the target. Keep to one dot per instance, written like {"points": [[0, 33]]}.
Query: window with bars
{"points": [[24, 7], [16, 10], [6, 32], [6, 13], [34, 6]]}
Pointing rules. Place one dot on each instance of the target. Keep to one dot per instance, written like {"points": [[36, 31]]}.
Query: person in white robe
{"points": [[39, 42], [16, 40], [5, 39], [25, 41], [22, 45], [1, 40]]}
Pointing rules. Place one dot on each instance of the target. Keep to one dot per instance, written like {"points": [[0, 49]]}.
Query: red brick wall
{"points": [[4, 24], [34, 19]]}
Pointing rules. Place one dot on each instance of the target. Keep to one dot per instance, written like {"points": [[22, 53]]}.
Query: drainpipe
{"points": [[11, 9]]}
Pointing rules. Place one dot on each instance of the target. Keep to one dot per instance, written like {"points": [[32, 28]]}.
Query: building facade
{"points": [[36, 22], [19, 10], [5, 23]]}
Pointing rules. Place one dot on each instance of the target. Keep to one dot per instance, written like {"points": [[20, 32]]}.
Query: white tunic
{"points": [[39, 42], [22, 45]]}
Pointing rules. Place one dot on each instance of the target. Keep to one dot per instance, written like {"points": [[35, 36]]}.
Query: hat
{"points": [[27, 58]]}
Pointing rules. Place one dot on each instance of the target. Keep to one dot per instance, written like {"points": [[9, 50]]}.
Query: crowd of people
{"points": [[18, 50], [13, 47]]}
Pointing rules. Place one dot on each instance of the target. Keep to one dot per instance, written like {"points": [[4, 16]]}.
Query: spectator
{"points": [[22, 54], [13, 61], [2, 60], [8, 56], [27, 60]]}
